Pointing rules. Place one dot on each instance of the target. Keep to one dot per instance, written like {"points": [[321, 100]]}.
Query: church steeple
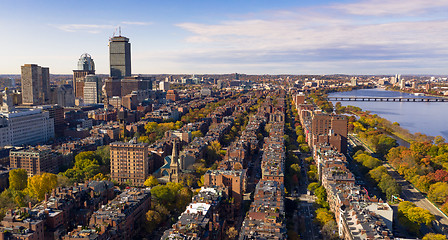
{"points": [[174, 155], [174, 165]]}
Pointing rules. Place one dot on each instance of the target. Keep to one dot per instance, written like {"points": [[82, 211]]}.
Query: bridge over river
{"points": [[388, 99]]}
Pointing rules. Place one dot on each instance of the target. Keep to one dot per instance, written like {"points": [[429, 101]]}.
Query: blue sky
{"points": [[253, 37]]}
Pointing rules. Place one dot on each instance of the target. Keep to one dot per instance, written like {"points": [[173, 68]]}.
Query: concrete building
{"points": [[86, 66], [25, 126], [129, 162], [123, 86], [164, 86], [120, 56], [35, 84], [92, 90], [62, 95]]}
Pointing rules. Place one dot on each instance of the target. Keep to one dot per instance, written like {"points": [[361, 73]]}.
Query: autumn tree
{"points": [[196, 134], [39, 185], [438, 192], [323, 216], [18, 179], [232, 233], [330, 230], [213, 152], [415, 214], [152, 220], [434, 236], [151, 181]]}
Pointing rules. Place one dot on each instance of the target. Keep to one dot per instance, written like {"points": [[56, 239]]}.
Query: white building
{"points": [[92, 90], [24, 126], [164, 86]]}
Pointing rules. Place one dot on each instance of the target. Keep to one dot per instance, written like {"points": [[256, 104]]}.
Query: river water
{"points": [[430, 118]]}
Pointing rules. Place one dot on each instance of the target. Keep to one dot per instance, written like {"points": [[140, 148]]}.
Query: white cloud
{"points": [[391, 7], [91, 28], [136, 23], [314, 36], [95, 28]]}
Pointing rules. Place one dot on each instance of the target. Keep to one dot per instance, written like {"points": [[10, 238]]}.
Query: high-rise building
{"points": [[86, 66], [120, 57], [35, 84], [129, 162], [92, 90], [63, 95], [164, 86]]}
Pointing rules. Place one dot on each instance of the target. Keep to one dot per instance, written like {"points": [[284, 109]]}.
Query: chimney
{"points": [[46, 197], [29, 205]]}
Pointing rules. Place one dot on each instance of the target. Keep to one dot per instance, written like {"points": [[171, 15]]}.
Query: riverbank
{"points": [[410, 121], [412, 92]]}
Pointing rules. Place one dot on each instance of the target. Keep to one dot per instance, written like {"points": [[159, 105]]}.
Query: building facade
{"points": [[120, 56], [34, 161], [92, 90], [86, 66], [27, 126], [129, 162], [35, 84]]}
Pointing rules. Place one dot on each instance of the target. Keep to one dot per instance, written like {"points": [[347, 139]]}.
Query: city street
{"points": [[411, 194]]}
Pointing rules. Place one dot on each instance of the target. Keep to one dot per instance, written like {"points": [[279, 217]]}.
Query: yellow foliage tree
{"points": [[39, 185], [151, 181], [434, 236]]}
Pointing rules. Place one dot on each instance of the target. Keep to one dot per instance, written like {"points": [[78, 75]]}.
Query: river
{"points": [[430, 118]]}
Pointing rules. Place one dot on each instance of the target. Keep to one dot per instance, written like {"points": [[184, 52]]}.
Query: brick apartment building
{"points": [[129, 162]]}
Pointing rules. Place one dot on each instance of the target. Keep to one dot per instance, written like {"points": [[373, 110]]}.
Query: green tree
{"points": [[18, 179], [330, 230], [312, 186], [321, 195], [103, 153], [152, 220]]}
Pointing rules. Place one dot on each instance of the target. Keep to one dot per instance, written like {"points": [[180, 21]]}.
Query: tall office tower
{"points": [[92, 90], [35, 84], [129, 162], [86, 66], [120, 57]]}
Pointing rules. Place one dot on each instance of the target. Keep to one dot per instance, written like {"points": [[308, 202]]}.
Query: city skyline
{"points": [[253, 37]]}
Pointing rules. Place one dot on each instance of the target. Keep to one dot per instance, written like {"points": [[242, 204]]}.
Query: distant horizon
{"points": [[310, 37], [287, 74]]}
